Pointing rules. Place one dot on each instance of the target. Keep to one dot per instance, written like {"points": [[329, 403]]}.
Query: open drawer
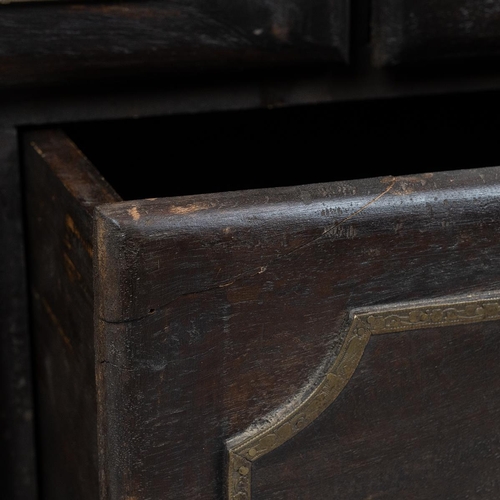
{"points": [[334, 340]]}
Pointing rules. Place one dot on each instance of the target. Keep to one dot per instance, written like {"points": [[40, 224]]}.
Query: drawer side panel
{"points": [[61, 190]]}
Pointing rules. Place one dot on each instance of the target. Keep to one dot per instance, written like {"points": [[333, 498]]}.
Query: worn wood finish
{"points": [[17, 474], [214, 310], [61, 191], [64, 43], [56, 64], [416, 31]]}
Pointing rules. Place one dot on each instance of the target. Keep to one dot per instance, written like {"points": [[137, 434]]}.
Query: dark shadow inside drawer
{"points": [[262, 319], [214, 152]]}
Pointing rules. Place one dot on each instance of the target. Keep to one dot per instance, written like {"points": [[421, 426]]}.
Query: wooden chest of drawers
{"points": [[334, 340]]}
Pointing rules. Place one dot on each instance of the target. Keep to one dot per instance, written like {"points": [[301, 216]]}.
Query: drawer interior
{"points": [[215, 152]]}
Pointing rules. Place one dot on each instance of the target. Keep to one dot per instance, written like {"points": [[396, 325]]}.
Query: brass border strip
{"points": [[256, 442]]}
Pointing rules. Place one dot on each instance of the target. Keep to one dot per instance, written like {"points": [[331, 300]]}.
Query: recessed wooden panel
{"points": [[417, 31], [66, 42], [247, 451], [419, 419]]}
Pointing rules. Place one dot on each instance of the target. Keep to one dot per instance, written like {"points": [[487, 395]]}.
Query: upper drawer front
{"points": [[410, 31], [57, 42]]}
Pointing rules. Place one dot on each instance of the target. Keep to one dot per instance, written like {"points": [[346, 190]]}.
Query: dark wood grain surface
{"points": [[82, 43], [63, 43], [416, 31], [17, 474], [214, 310], [61, 191]]}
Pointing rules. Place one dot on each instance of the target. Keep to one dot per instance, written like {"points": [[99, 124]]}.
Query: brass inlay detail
{"points": [[254, 443]]}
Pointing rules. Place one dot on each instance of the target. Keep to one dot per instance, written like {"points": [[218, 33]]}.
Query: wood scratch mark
{"points": [[36, 148], [188, 209], [71, 269], [261, 269], [70, 224], [357, 212], [327, 230], [134, 213]]}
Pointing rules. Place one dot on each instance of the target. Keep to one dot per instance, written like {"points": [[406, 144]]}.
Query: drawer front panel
{"points": [[217, 313]]}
